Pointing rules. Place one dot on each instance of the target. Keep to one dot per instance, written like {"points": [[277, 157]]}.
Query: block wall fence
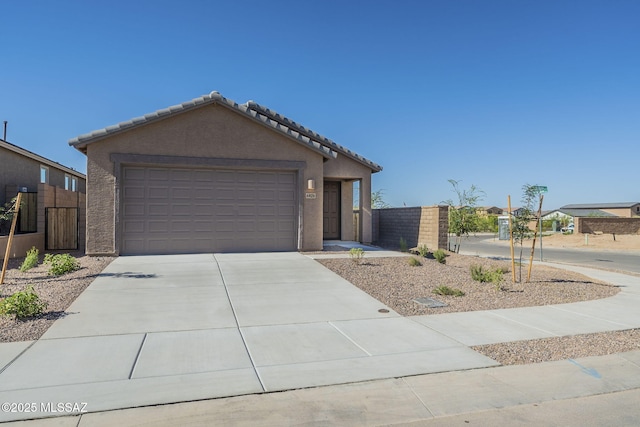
{"points": [[607, 225], [422, 225]]}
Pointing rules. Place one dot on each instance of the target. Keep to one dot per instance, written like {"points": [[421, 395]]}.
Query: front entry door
{"points": [[331, 211]]}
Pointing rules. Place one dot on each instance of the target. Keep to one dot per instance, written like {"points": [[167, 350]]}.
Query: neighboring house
{"points": [[211, 175], [44, 184], [490, 210], [567, 216], [622, 209]]}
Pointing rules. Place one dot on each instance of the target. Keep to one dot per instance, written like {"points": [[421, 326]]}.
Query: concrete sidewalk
{"points": [[594, 391], [159, 330]]}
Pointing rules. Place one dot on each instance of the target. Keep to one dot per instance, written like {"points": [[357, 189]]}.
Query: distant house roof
{"points": [[580, 212], [19, 150], [490, 208], [618, 205], [256, 112]]}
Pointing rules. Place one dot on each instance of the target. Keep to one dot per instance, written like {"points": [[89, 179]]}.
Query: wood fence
{"points": [[61, 232]]}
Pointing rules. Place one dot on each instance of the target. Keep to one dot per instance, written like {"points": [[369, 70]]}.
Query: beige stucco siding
{"points": [[210, 132]]}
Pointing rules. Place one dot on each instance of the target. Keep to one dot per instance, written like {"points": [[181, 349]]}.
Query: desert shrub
{"points": [[413, 262], [61, 263], [403, 245], [31, 259], [440, 256], [356, 254], [22, 304], [423, 251], [445, 290], [482, 275]]}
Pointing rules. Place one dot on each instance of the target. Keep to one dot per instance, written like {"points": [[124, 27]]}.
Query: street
{"points": [[488, 245]]}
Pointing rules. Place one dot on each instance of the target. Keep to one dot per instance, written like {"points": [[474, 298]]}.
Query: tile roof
{"points": [[311, 134], [263, 115]]}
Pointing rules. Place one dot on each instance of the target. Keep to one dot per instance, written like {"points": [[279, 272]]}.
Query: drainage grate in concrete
{"points": [[430, 302]]}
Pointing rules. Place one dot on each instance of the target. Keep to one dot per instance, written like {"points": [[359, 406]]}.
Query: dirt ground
{"points": [[627, 242]]}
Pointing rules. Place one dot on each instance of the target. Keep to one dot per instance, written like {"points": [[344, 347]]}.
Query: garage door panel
{"points": [[135, 174], [134, 209], [155, 192], [202, 177], [246, 227], [177, 210], [204, 193], [225, 193], [286, 179], [134, 226], [224, 226], [181, 175], [247, 177], [203, 226], [225, 176]]}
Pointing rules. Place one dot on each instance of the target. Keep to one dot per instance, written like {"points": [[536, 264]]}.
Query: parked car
{"points": [[567, 230]]}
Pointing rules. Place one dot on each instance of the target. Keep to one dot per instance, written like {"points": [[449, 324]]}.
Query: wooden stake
{"points": [[513, 259], [535, 234], [13, 229]]}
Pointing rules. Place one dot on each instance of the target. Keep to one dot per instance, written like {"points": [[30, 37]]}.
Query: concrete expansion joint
{"points": [[135, 361]]}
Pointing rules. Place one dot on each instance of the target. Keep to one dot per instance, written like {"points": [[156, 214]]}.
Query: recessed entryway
{"points": [[331, 211]]}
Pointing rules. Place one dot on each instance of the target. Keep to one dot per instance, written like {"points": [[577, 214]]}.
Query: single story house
{"points": [[211, 175], [490, 210], [44, 184], [567, 216], [620, 209]]}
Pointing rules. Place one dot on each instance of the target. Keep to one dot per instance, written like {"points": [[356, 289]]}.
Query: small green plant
{"points": [[31, 259], [423, 251], [440, 256], [413, 262], [61, 263], [445, 290], [22, 304], [403, 245], [482, 275], [356, 254]]}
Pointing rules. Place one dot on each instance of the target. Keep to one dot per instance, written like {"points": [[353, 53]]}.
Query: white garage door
{"points": [[173, 210]]}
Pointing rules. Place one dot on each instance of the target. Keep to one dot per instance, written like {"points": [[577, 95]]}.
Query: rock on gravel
{"points": [[57, 291]]}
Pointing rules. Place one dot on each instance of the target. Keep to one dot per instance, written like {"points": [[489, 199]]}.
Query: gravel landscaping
{"points": [[397, 284], [57, 291]]}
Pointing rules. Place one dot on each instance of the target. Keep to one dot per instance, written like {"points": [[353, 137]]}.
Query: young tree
{"points": [[463, 217], [377, 202], [520, 223]]}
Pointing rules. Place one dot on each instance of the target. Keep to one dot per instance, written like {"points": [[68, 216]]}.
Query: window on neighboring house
{"points": [[70, 183], [44, 174]]}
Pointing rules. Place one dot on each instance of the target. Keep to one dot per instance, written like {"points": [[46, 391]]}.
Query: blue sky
{"points": [[497, 94]]}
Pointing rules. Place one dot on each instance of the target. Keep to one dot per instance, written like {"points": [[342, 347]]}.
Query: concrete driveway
{"points": [[161, 329]]}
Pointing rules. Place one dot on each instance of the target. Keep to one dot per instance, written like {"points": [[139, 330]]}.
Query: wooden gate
{"points": [[61, 230]]}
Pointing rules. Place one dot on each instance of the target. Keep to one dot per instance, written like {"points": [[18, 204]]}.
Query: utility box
{"points": [[503, 228]]}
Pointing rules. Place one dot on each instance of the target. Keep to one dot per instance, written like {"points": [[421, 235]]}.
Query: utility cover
{"points": [[430, 302]]}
